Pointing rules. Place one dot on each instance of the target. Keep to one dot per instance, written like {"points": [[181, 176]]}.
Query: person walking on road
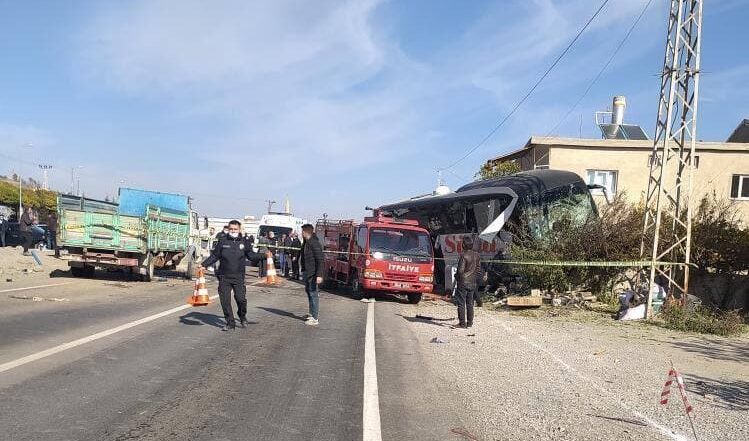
{"points": [[52, 233], [312, 271], [467, 281], [3, 230], [262, 248], [26, 226], [286, 265], [222, 233], [296, 246], [232, 252]]}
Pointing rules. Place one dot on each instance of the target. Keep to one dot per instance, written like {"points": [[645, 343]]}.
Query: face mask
{"points": [[234, 235]]}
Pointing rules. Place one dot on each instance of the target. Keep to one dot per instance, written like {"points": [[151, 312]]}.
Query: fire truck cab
{"points": [[379, 254]]}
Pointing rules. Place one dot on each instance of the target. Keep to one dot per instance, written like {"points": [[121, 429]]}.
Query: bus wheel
{"points": [[356, 290], [414, 298]]}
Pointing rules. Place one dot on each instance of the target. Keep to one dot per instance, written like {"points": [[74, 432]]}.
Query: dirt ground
{"points": [[580, 375], [16, 267]]}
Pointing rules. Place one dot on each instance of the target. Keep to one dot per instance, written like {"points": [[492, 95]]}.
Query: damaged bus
{"points": [[537, 201]]}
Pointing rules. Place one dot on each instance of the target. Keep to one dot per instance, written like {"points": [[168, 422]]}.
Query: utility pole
{"points": [[75, 176], [45, 168], [270, 204], [667, 231]]}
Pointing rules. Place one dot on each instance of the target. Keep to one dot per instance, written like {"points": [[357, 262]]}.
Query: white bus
{"points": [[279, 224]]}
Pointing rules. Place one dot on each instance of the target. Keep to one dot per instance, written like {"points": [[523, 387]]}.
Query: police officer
{"points": [[232, 252]]}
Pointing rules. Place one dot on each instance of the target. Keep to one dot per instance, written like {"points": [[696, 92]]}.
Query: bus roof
{"points": [[523, 184]]}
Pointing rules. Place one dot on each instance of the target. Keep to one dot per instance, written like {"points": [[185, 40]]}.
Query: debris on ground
{"points": [[118, 284], [438, 340], [38, 299], [36, 257], [525, 301], [464, 433]]}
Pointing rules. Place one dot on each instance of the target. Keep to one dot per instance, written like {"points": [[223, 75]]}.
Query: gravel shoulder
{"points": [[580, 377]]}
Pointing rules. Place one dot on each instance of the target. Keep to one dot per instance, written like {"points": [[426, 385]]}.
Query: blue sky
{"points": [[337, 104]]}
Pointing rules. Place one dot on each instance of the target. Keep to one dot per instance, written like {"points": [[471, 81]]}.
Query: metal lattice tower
{"points": [[668, 209]]}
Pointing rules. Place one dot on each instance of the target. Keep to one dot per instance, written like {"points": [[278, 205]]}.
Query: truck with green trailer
{"points": [[145, 231]]}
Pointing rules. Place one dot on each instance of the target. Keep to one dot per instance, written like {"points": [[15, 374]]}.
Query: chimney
{"points": [[617, 110]]}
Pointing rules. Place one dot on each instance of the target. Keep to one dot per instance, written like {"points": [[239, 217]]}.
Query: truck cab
{"points": [[379, 254]]}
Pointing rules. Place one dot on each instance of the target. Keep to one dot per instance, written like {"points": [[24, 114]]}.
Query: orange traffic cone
{"points": [[270, 272], [200, 295]]}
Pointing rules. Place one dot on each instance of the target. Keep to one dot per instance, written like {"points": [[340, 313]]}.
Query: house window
{"points": [[605, 178], [740, 187]]}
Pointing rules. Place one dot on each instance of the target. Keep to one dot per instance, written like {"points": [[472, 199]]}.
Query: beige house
{"points": [[622, 166]]}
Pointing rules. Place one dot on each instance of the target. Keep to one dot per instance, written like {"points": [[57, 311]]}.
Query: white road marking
{"points": [[35, 287], [81, 341], [371, 413], [603, 391]]}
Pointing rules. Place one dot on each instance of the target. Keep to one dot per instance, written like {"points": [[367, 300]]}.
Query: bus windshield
{"points": [[277, 231], [400, 242]]}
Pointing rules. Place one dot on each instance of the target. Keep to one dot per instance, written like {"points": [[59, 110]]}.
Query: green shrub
{"points": [[702, 320]]}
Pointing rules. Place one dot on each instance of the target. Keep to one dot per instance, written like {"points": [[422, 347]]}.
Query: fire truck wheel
{"points": [[356, 290], [414, 298]]}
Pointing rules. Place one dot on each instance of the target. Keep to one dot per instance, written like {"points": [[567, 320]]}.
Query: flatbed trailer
{"points": [[96, 234]]}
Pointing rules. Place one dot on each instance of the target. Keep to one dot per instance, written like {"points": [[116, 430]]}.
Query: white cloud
{"points": [[322, 80]]}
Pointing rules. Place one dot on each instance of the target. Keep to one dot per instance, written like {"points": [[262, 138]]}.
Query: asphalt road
{"points": [[178, 377]]}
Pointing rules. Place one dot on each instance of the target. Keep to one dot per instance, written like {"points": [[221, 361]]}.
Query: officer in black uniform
{"points": [[232, 252]]}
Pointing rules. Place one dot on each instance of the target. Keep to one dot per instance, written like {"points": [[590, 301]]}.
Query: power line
{"points": [[532, 89], [603, 69]]}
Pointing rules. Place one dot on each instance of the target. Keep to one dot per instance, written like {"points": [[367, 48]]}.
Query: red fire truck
{"points": [[379, 254]]}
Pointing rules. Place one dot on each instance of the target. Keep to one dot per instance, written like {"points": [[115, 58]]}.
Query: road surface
{"points": [[109, 359], [179, 377]]}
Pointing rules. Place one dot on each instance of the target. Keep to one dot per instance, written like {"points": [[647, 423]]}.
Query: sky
{"points": [[338, 105]]}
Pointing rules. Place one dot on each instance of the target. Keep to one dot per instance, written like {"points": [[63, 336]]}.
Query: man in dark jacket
{"points": [[296, 246], [312, 271], [262, 249], [222, 233], [3, 230], [232, 252], [52, 233], [469, 268], [25, 227], [286, 255]]}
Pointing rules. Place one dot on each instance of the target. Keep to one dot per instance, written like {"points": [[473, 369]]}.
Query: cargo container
{"points": [[101, 234]]}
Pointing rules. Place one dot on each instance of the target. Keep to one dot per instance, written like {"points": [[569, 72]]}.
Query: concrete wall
{"points": [[713, 174]]}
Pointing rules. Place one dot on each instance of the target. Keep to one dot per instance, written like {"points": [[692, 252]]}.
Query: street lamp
{"points": [[20, 187]]}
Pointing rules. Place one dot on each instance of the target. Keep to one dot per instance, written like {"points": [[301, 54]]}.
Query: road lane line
{"points": [[81, 341], [371, 408], [666, 431], [35, 287]]}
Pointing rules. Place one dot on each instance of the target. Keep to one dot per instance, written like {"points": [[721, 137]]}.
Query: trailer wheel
{"points": [[414, 298], [77, 271], [86, 271], [150, 265], [190, 264], [356, 290]]}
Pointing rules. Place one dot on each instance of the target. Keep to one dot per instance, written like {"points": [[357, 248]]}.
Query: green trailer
{"points": [[96, 234]]}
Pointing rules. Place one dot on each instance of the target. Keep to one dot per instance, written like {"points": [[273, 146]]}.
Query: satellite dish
{"points": [[442, 190]]}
